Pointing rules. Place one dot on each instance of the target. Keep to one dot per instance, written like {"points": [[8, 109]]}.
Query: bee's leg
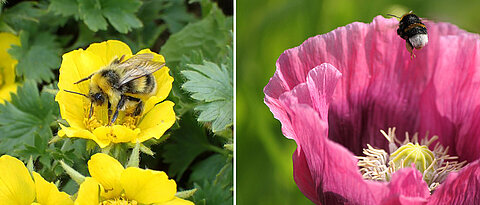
{"points": [[109, 105], [410, 49], [120, 104], [139, 108], [91, 111]]}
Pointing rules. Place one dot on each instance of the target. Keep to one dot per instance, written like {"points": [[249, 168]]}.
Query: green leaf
{"points": [[210, 35], [149, 14], [213, 86], [29, 113], [120, 13], [208, 168], [37, 56], [213, 194], [91, 13], [23, 15], [202, 40], [64, 7], [175, 15], [184, 146]]}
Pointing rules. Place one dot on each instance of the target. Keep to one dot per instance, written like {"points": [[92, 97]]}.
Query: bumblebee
{"points": [[412, 29], [122, 85]]}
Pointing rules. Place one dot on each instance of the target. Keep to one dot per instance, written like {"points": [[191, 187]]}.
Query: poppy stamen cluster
{"points": [[435, 165]]}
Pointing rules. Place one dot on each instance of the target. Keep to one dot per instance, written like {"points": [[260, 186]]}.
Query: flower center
{"points": [[410, 153], [92, 122], [434, 164], [130, 121], [121, 200]]}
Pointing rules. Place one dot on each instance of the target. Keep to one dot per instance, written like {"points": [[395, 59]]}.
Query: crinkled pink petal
{"points": [[326, 172], [450, 106], [333, 169], [316, 92], [459, 188], [303, 176], [407, 187], [403, 200], [380, 87]]}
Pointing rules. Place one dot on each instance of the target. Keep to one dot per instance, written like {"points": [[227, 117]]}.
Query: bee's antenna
{"points": [[76, 93], [84, 79], [393, 15]]}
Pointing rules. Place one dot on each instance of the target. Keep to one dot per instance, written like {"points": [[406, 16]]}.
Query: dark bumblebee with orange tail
{"points": [[413, 30]]}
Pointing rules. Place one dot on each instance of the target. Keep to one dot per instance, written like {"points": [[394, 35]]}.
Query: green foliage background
{"points": [[264, 30], [196, 38]]}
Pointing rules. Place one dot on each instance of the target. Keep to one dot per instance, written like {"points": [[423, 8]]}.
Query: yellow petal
{"points": [[164, 82], [157, 121], [84, 134], [109, 50], [177, 201], [106, 170], [5, 92], [162, 76], [147, 186], [16, 184], [88, 193], [47, 193], [124, 134], [156, 57], [7, 63], [150, 103], [76, 65], [71, 108]]}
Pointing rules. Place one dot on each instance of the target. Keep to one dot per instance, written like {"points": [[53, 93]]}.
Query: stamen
{"points": [[121, 200], [435, 165], [130, 121]]}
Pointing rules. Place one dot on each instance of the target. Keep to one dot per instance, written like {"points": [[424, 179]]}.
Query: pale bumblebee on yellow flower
{"points": [[123, 99], [122, 84]]}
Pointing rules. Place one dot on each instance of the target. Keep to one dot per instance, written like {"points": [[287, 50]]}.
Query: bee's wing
{"points": [[138, 66]]}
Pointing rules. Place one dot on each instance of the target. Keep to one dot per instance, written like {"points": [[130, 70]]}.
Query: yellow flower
{"points": [[156, 118], [18, 187], [112, 184], [7, 66]]}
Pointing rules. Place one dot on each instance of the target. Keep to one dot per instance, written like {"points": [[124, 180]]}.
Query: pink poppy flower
{"points": [[335, 92]]}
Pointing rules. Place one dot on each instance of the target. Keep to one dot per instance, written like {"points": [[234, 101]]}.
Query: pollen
{"points": [[130, 121], [435, 165], [92, 123], [122, 200]]}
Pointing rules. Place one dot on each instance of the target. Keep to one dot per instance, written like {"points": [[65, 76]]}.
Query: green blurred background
{"points": [[264, 30]]}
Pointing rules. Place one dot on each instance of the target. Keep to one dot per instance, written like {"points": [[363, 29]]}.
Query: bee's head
{"points": [[97, 98], [96, 95]]}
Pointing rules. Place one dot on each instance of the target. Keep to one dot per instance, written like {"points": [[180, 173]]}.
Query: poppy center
{"points": [[410, 153], [435, 165]]}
